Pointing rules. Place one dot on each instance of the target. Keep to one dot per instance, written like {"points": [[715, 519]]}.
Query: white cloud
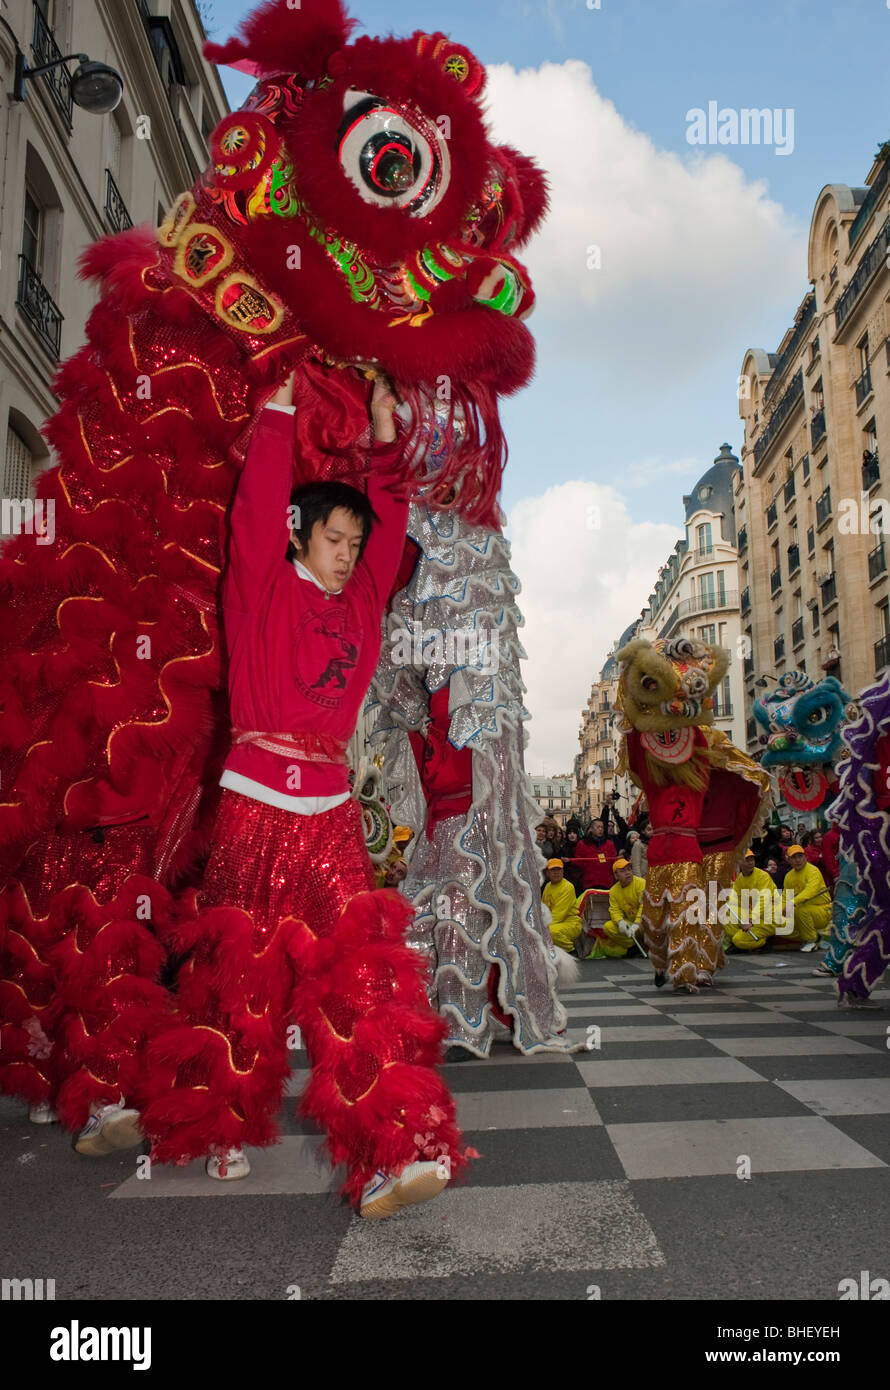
{"points": [[582, 584], [691, 250]]}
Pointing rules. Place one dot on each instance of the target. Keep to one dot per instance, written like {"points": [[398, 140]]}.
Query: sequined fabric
{"points": [[475, 884]]}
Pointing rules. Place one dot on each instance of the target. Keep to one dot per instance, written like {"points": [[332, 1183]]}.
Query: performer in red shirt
{"points": [[288, 924]]}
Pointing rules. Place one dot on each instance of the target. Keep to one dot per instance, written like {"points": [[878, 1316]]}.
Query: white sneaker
{"points": [[43, 1114], [111, 1128], [810, 946], [420, 1182], [227, 1164]]}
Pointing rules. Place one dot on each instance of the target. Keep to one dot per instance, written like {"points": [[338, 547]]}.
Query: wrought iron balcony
{"points": [[877, 563], [706, 552], [863, 386], [860, 221], [743, 539], [829, 591], [779, 416], [775, 580], [772, 516], [57, 80], [701, 603], [867, 268], [779, 649], [745, 601], [797, 636], [39, 308], [794, 343], [882, 654], [870, 469], [817, 427], [788, 490], [748, 667], [119, 220], [823, 508], [793, 559], [722, 709]]}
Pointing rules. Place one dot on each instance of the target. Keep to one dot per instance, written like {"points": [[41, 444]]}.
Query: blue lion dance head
{"points": [[803, 721]]}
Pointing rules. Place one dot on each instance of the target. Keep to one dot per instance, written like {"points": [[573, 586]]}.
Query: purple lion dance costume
{"points": [[862, 812]]}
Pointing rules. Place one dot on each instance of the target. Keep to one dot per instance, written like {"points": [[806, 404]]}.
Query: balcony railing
{"points": [[775, 580], [779, 649], [745, 600], [119, 220], [788, 490], [870, 470], [882, 654], [57, 80], [877, 563], [866, 269], [862, 386], [701, 603], [794, 343], [779, 416], [860, 221], [823, 508], [39, 308], [748, 667], [743, 538], [793, 559], [829, 591], [797, 632], [772, 516], [817, 427], [706, 552], [723, 709]]}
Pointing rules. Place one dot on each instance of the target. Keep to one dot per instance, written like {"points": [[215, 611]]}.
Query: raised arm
{"points": [[383, 553], [260, 522]]}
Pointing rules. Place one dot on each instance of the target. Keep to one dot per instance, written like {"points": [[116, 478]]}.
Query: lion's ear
{"points": [[280, 38], [629, 651], [720, 667]]}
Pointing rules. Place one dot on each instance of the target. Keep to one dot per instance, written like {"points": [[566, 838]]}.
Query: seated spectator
{"points": [[559, 898]]}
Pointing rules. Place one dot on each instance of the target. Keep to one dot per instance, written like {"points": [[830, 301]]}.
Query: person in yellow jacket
{"points": [[755, 908], [559, 898], [625, 907], [812, 901]]}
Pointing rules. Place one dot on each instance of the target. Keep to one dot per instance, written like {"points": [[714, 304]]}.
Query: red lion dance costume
{"points": [[335, 225], [706, 800]]}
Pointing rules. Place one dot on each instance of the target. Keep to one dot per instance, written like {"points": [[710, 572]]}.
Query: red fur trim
{"points": [[277, 37]]}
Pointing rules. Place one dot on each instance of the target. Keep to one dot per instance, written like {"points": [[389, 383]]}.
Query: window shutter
{"points": [[18, 469]]}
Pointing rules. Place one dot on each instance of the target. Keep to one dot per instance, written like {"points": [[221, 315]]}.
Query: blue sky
{"points": [[703, 254]]}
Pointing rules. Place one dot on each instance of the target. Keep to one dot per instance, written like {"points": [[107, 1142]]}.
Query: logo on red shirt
{"points": [[326, 650]]}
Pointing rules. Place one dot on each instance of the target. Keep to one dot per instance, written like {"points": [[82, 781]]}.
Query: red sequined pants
{"points": [[288, 927]]}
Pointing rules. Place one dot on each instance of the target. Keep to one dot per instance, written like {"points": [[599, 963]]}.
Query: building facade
{"points": [[554, 796], [811, 504], [596, 777], [697, 593], [71, 177]]}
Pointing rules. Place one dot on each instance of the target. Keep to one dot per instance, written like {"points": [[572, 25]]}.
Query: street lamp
{"points": [[95, 87]]}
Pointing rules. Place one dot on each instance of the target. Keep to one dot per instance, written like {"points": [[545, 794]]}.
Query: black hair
{"points": [[315, 502]]}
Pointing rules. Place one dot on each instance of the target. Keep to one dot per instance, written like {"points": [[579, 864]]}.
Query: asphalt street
{"points": [[732, 1144]]}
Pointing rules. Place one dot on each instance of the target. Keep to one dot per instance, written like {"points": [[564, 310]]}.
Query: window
{"points": [[721, 588], [871, 436], [862, 353], [703, 536], [805, 466], [818, 396], [884, 617], [706, 590], [563, 804], [704, 493], [708, 633], [18, 467], [32, 232]]}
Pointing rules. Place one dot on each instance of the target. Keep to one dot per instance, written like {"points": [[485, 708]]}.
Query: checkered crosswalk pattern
{"points": [[601, 1170]]}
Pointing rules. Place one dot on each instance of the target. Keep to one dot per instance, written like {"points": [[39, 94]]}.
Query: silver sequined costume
{"points": [[476, 884]]}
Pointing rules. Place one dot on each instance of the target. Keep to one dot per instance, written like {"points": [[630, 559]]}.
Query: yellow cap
{"points": [[555, 864], [402, 832], [795, 849], [749, 852], [621, 864]]}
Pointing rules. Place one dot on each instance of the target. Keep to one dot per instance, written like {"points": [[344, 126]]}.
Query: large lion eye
{"points": [[395, 157], [649, 683]]}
